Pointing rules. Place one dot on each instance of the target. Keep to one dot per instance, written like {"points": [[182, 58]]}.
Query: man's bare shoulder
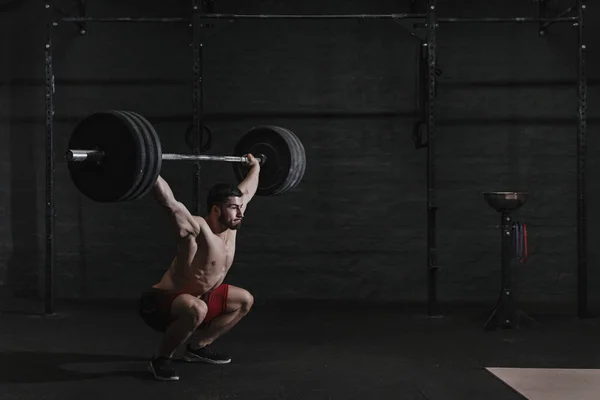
{"points": [[203, 224], [199, 219]]}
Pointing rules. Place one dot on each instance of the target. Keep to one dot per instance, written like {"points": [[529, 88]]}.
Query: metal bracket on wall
{"points": [[415, 26], [76, 10], [208, 27], [545, 12]]}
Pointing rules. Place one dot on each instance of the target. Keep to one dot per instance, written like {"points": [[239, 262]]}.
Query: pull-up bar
{"points": [[319, 17], [507, 19], [125, 19], [245, 16]]}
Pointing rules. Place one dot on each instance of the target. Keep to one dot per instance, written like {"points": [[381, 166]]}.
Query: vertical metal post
{"points": [[582, 252], [49, 106], [432, 262], [197, 99]]}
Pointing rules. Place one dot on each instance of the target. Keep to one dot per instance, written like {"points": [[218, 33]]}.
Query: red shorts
{"points": [[155, 306]]}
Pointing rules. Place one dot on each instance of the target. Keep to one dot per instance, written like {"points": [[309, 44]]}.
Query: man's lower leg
{"points": [[175, 335], [218, 327]]}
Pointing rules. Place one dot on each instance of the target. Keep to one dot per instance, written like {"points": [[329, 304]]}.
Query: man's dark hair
{"points": [[218, 194]]}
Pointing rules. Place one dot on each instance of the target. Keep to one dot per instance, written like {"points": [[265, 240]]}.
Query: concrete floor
{"points": [[92, 352]]}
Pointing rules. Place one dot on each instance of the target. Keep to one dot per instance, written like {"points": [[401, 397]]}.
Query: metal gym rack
{"points": [[202, 12]]}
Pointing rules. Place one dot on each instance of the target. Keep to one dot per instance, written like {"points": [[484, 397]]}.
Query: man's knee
{"points": [[191, 309], [239, 300], [247, 302], [198, 312]]}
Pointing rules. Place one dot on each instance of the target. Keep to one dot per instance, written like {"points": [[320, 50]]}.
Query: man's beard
{"points": [[226, 224]]}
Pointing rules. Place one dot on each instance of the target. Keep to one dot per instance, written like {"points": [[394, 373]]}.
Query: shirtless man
{"points": [[191, 294]]}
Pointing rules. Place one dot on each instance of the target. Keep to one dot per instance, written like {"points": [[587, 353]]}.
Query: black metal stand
{"points": [[506, 314]]}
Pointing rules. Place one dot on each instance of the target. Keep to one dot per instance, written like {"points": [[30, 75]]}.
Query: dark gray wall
{"points": [[356, 227]]}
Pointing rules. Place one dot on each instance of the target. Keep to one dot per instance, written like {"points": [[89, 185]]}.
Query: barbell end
{"points": [[262, 159], [84, 155]]}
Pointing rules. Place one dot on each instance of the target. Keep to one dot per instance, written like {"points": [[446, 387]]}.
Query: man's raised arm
{"points": [[250, 184], [186, 224], [164, 195]]}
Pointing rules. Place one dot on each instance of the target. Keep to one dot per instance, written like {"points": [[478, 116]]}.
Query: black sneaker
{"points": [[206, 355], [162, 369]]}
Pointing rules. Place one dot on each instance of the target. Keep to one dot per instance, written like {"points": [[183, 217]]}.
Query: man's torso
{"points": [[200, 265]]}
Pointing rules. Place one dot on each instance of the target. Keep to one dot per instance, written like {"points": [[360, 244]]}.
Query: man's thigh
{"points": [[238, 298], [226, 299], [160, 308], [155, 308], [183, 303], [216, 301]]}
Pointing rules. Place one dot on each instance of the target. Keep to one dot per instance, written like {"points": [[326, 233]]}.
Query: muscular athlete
{"points": [[191, 297]]}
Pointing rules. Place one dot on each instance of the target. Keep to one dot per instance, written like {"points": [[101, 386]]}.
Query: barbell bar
{"points": [[116, 155], [97, 155]]}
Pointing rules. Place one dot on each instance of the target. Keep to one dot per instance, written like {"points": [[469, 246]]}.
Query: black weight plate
{"points": [[143, 149], [120, 171], [147, 145], [283, 154], [263, 140], [301, 165], [155, 149], [298, 165], [284, 186], [154, 155]]}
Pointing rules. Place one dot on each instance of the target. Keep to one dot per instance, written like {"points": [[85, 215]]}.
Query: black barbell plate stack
{"points": [[298, 164], [285, 154], [120, 171], [154, 155]]}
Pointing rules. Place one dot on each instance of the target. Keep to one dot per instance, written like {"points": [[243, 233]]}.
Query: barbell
{"points": [[116, 155]]}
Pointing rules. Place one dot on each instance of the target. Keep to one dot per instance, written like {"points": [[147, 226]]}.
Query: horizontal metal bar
{"points": [[133, 81], [310, 16], [74, 155], [508, 19], [126, 19], [318, 16], [244, 16], [202, 157]]}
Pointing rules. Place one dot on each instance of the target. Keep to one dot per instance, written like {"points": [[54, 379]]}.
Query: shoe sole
{"points": [[160, 378], [194, 358]]}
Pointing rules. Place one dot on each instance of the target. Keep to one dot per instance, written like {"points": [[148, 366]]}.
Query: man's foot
{"points": [[206, 355], [162, 369]]}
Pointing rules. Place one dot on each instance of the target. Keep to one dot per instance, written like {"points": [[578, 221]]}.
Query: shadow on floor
{"points": [[36, 367]]}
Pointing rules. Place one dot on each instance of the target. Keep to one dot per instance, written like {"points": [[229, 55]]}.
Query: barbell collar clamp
{"points": [[84, 155], [97, 155]]}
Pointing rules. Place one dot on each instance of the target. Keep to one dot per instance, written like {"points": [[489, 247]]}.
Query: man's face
{"points": [[231, 213]]}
